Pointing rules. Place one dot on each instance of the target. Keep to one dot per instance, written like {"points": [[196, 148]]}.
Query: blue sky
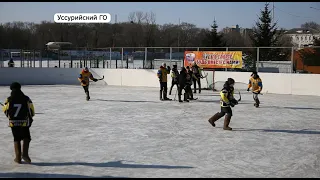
{"points": [[289, 15]]}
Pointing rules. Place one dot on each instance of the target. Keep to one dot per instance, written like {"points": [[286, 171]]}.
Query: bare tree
{"points": [[132, 17], [311, 25], [139, 16], [150, 28]]}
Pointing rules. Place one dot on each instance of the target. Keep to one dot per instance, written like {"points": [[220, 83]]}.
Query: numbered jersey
{"points": [[19, 110]]}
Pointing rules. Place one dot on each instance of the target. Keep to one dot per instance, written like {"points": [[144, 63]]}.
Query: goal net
{"points": [[215, 85]]}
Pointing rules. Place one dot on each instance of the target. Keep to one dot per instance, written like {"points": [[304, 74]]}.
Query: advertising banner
{"points": [[214, 59]]}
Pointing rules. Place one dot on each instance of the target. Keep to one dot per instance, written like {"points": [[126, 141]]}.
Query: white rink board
{"points": [[128, 132]]}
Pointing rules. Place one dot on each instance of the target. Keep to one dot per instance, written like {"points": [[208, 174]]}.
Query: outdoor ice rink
{"points": [[128, 132]]}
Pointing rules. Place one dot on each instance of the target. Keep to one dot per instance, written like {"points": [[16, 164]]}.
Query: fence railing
{"points": [[261, 59]]}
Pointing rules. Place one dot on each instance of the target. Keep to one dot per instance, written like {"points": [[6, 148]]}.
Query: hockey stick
{"points": [[240, 96], [101, 78], [254, 93]]}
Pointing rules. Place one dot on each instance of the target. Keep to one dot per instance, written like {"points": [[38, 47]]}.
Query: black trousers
{"points": [[195, 81], [163, 86], [188, 88], [181, 87], [86, 88], [20, 133], [256, 98], [174, 83], [226, 110]]}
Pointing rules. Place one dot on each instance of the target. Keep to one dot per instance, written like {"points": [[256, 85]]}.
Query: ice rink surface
{"points": [[128, 132]]}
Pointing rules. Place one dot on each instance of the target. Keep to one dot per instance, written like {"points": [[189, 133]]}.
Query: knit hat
{"points": [[15, 86]]}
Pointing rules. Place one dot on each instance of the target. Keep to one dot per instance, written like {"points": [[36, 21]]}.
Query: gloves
{"points": [[95, 80], [83, 82], [230, 104], [248, 89], [234, 101], [31, 121]]}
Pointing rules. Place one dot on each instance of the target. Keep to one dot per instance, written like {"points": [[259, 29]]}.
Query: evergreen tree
{"points": [[213, 38], [266, 34]]}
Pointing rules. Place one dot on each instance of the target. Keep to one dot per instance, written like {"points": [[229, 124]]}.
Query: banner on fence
{"points": [[214, 59]]}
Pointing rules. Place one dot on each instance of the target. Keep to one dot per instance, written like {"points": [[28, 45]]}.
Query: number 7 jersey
{"points": [[19, 111]]}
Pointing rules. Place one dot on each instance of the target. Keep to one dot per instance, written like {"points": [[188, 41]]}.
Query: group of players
{"points": [[182, 80], [20, 111], [187, 76]]}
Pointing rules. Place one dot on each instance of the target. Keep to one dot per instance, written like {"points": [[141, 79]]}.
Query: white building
{"points": [[302, 37]]}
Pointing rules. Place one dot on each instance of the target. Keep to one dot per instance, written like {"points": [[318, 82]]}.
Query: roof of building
{"points": [[301, 31]]}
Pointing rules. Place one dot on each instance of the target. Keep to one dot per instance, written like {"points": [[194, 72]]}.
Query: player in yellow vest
{"points": [[163, 79], [20, 111], [256, 84], [226, 102], [84, 77]]}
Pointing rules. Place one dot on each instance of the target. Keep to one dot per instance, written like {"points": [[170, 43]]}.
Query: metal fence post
{"points": [[47, 58], [292, 54], [170, 53], [170, 56], [59, 58], [198, 49], [21, 58], [257, 64], [145, 57], [227, 49], [40, 60], [110, 57], [34, 58], [121, 58]]}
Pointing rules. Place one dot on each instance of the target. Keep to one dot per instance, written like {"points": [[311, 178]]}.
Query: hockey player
{"points": [[19, 110], [188, 89], [162, 75], [84, 77], [256, 83], [182, 85], [175, 78], [197, 73], [227, 101]]}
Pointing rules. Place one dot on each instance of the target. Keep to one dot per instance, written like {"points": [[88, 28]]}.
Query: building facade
{"points": [[301, 37]]}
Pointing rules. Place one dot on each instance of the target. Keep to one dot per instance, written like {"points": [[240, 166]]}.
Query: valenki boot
{"points": [[17, 150]]}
